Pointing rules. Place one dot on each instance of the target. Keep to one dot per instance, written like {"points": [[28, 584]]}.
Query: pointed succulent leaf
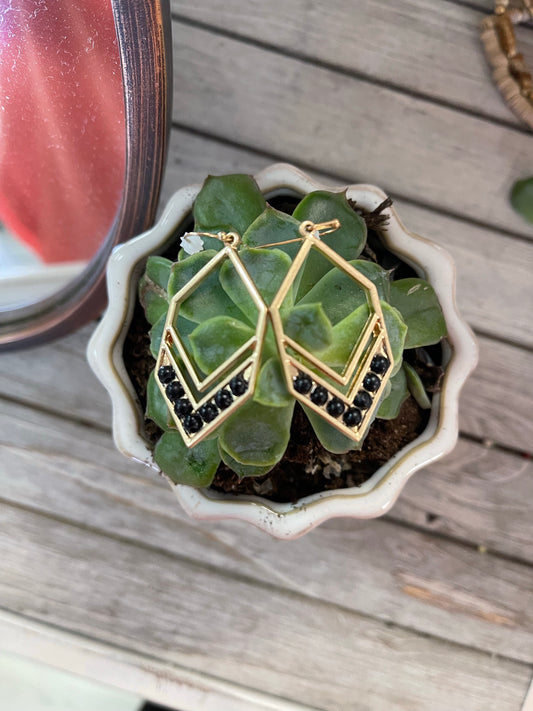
{"points": [[273, 226], [522, 198], [348, 241], [346, 334], [271, 389], [416, 387], [242, 470], [417, 302], [256, 434], [267, 269], [156, 407], [396, 331], [308, 325], [216, 340], [390, 405], [156, 334], [339, 294], [196, 466], [228, 202], [208, 298], [328, 436], [153, 288]]}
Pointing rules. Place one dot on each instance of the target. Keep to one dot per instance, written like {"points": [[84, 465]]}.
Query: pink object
{"points": [[62, 127]]}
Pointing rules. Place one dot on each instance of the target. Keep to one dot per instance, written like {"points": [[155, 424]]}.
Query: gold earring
{"points": [[200, 403], [347, 399]]}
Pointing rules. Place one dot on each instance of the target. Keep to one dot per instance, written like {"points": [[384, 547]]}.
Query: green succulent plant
{"points": [[522, 198], [324, 311]]}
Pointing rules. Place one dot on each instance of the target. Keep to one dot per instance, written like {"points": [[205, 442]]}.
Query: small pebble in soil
{"points": [[182, 407], [371, 382], [302, 383], [362, 400], [238, 385], [380, 364], [352, 417], [166, 374], [192, 423], [208, 411], [335, 407], [174, 390], [223, 399], [319, 395]]}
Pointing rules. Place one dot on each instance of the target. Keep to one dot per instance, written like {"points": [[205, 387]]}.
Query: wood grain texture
{"points": [[339, 124], [403, 46], [394, 573], [156, 604]]}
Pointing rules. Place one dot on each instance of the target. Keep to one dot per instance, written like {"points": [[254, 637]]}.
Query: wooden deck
{"points": [[427, 609]]}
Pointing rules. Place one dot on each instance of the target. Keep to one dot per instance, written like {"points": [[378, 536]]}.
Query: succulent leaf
{"points": [[273, 226], [308, 325], [194, 467], [156, 407], [345, 335], [416, 387], [242, 469], [348, 241], [228, 202], [271, 389], [417, 302], [256, 434], [156, 334], [153, 288], [215, 341], [390, 406], [396, 331], [328, 436]]}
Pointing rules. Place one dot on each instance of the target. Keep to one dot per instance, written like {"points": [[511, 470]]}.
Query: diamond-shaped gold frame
{"points": [[373, 341], [199, 391]]}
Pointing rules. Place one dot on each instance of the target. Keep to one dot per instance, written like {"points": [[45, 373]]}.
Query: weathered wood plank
{"points": [[242, 631], [415, 45], [339, 124], [395, 573]]}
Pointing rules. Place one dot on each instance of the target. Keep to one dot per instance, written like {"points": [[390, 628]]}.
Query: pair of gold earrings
{"points": [[345, 397]]}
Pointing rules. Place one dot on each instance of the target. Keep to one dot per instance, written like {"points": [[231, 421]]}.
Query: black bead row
{"points": [[194, 421], [335, 407]]}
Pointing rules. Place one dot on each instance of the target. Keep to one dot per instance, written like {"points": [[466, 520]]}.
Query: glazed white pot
{"points": [[288, 520]]}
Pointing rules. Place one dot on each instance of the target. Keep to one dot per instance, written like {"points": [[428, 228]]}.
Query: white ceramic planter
{"points": [[378, 494]]}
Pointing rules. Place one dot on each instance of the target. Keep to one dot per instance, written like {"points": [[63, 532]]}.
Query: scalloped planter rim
{"points": [[379, 493]]}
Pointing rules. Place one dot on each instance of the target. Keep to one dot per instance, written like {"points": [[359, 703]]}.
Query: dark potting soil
{"points": [[306, 467]]}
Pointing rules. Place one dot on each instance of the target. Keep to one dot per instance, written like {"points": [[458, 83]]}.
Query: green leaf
{"points": [[346, 334], [256, 434], [417, 302], [271, 389], [348, 241], [328, 436], [153, 288], [274, 226], [522, 198], [339, 294], [196, 466], [416, 387], [156, 334], [228, 202], [397, 332], [216, 340], [243, 469], [208, 298], [308, 325], [390, 406], [267, 269], [156, 407]]}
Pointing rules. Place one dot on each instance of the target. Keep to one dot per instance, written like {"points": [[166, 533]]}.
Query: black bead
{"points": [[223, 399], [380, 364], [371, 382], [302, 383], [362, 400], [192, 423], [182, 407], [335, 407], [166, 374], [319, 395], [352, 417], [208, 411], [238, 385], [174, 390]]}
